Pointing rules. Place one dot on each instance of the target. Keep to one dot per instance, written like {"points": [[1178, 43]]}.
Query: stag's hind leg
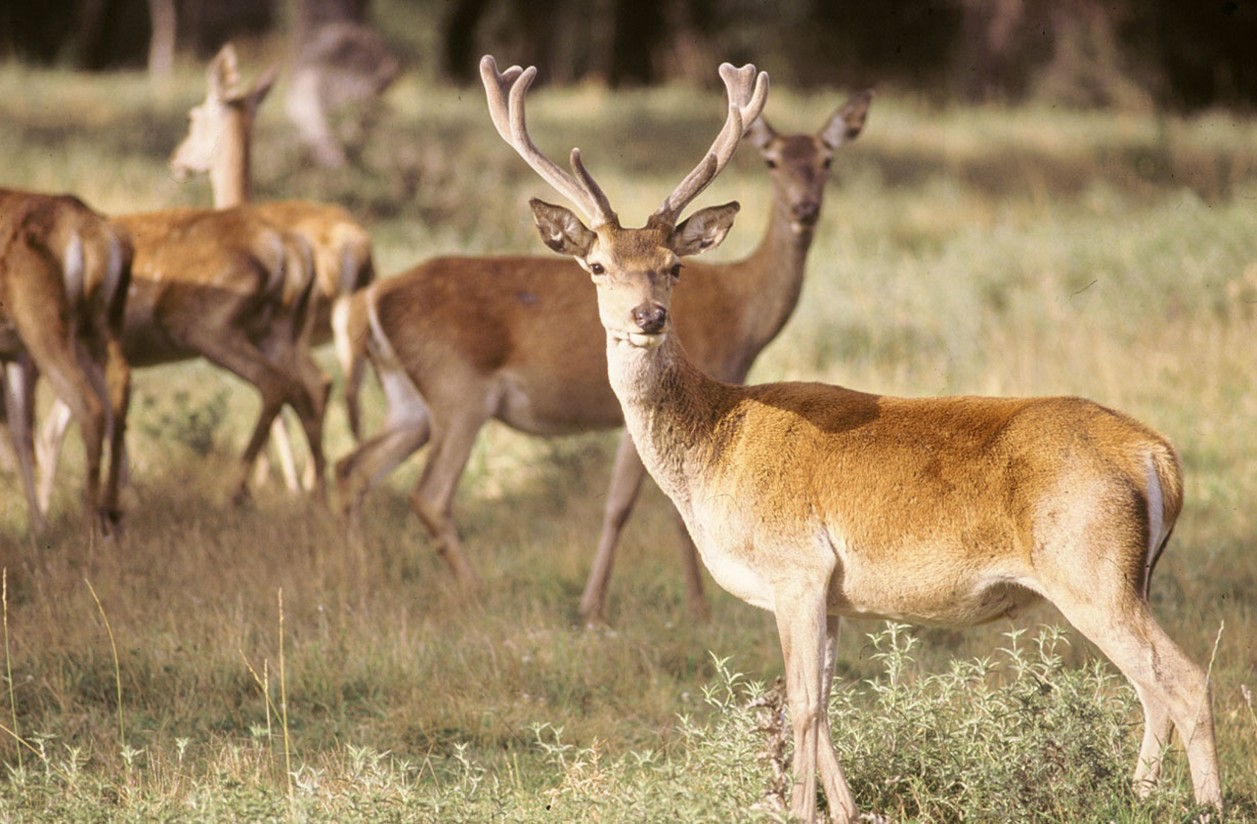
{"points": [[72, 387], [433, 499], [18, 404], [626, 483], [118, 395], [50, 344], [362, 470], [837, 793], [232, 350], [1173, 689]]}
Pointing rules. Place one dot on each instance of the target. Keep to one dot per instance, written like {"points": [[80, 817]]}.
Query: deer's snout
{"points": [[650, 318], [806, 211]]}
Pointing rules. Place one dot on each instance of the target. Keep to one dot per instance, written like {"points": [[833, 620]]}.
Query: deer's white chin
{"points": [[641, 340]]}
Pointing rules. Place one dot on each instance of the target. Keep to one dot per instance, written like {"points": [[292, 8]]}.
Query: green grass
{"points": [[1026, 251]]}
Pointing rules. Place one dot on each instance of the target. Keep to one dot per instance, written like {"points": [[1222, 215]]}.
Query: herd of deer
{"points": [[809, 500]]}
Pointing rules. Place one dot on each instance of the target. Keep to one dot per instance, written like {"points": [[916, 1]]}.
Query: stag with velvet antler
{"points": [[819, 502], [544, 371]]}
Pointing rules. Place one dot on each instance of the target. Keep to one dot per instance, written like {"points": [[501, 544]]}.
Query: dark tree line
{"points": [[1181, 53]]}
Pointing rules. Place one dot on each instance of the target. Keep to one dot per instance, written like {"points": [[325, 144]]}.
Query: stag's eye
{"points": [[597, 269], [772, 164], [829, 161], [676, 271]]}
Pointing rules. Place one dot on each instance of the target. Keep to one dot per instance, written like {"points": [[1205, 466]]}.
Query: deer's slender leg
{"points": [[626, 482], [433, 499]]}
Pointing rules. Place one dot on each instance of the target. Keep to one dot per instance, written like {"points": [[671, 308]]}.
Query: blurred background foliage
{"points": [[1176, 54]]}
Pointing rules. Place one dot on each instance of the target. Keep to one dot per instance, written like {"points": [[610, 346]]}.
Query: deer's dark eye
{"points": [[829, 161], [676, 271], [597, 269], [772, 164]]}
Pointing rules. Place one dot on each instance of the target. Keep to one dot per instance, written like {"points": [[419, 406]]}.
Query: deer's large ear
{"points": [[260, 88], [760, 133], [223, 74], [705, 229], [846, 124], [561, 230]]}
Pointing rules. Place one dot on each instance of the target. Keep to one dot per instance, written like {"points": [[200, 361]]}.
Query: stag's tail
{"points": [[1165, 502]]}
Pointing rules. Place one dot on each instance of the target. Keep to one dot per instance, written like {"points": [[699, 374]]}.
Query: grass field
{"points": [[223, 664]]}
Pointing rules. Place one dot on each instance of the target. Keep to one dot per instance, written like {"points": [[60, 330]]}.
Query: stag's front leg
{"points": [[801, 623]]}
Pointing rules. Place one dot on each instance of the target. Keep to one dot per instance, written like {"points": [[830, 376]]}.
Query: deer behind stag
{"points": [[543, 371]]}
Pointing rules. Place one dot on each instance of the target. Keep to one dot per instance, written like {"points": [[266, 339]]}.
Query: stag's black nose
{"points": [[650, 318], [806, 211]]}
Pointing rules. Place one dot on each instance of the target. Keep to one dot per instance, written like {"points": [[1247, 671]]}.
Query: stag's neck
{"points": [[672, 411], [773, 277], [229, 178]]}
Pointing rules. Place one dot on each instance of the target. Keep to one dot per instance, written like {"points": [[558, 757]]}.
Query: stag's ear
{"points": [[705, 229], [846, 124], [223, 74], [256, 93], [561, 230]]}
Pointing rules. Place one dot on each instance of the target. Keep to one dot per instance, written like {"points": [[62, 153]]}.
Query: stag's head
{"points": [[634, 269], [224, 120]]}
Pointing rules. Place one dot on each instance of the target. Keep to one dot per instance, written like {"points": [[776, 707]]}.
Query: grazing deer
{"points": [[542, 371], [231, 287], [218, 143], [818, 502], [64, 274]]}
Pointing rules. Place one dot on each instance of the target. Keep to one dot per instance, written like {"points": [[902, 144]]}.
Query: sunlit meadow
{"points": [[238, 664]]}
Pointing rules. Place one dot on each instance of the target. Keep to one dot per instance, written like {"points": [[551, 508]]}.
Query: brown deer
{"points": [[218, 144], [64, 275], [229, 286], [542, 372], [818, 502]]}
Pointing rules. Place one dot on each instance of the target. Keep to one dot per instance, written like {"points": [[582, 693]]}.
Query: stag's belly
{"points": [[934, 584], [556, 404], [930, 585]]}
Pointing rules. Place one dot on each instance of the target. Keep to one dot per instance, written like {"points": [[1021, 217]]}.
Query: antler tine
{"points": [[747, 94], [496, 86], [506, 92]]}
